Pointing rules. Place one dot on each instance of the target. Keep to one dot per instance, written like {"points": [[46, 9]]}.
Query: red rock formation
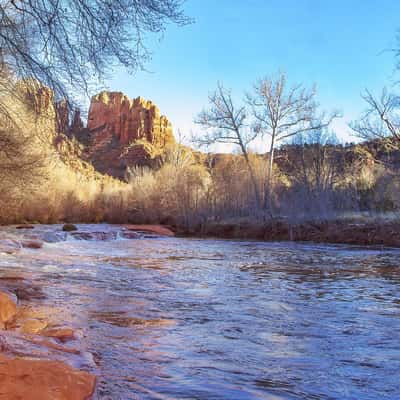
{"points": [[63, 124], [77, 124], [44, 98], [114, 114], [62, 116], [122, 132], [43, 380]]}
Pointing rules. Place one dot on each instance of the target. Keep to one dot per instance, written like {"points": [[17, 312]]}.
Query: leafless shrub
{"points": [[381, 119]]}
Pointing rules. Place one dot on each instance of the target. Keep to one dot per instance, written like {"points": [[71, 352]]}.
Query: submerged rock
{"points": [[62, 334], [24, 226], [159, 230], [121, 319], [25, 290], [8, 309], [54, 237], [43, 380], [32, 243], [130, 235], [33, 326], [33, 362], [95, 235], [69, 228]]}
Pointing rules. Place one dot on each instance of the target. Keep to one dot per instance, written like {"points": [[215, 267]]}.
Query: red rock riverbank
{"points": [[25, 341]]}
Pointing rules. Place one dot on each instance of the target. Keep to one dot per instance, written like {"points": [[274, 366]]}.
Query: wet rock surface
{"points": [[69, 227], [33, 358], [25, 226], [13, 238], [43, 380], [152, 229], [41, 357], [32, 243], [8, 309]]}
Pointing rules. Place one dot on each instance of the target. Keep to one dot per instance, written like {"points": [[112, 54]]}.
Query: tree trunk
{"points": [[270, 177], [252, 175], [254, 180]]}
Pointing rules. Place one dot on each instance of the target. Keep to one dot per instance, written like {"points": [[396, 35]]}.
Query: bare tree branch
{"points": [[70, 44], [226, 123], [281, 112], [381, 119]]}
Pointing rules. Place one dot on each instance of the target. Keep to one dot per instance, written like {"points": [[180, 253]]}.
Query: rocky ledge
{"points": [[15, 238], [32, 365], [37, 360], [43, 380]]}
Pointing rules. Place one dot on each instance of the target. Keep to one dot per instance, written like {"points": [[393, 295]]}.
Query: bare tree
{"points": [[226, 123], [281, 112], [67, 44], [17, 160], [320, 168], [24, 147], [381, 119]]}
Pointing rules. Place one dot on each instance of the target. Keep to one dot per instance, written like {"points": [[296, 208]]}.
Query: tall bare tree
{"points": [[381, 119], [281, 112], [226, 123]]}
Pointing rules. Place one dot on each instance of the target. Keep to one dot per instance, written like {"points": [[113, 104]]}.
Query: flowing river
{"points": [[173, 318]]}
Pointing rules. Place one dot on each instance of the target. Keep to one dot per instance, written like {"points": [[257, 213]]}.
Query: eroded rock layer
{"points": [[123, 132], [115, 115], [120, 132]]}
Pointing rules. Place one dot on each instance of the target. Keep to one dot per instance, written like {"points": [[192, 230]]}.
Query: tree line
{"points": [[299, 169]]}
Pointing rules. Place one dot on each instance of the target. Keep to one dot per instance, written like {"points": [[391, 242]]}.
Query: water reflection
{"points": [[202, 319]]}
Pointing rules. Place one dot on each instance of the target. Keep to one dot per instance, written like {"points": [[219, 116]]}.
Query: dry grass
{"points": [[39, 184]]}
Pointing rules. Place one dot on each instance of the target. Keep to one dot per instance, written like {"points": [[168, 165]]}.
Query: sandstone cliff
{"points": [[112, 114], [48, 121], [121, 133]]}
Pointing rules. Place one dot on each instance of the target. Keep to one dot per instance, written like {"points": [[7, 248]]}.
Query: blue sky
{"points": [[341, 46]]}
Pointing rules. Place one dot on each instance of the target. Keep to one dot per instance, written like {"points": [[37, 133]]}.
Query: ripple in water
{"points": [[206, 319]]}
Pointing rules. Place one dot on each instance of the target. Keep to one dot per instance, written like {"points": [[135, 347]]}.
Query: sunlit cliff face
{"points": [[129, 120]]}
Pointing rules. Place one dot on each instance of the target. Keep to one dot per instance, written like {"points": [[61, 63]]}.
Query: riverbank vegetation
{"points": [[287, 164], [313, 177]]}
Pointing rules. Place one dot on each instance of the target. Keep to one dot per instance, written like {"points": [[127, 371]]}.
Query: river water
{"points": [[172, 318]]}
